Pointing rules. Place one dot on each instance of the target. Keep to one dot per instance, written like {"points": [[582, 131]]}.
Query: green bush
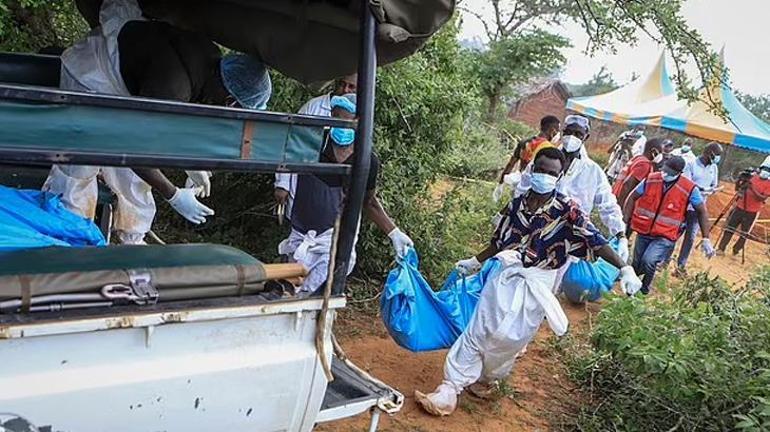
{"points": [[699, 360]]}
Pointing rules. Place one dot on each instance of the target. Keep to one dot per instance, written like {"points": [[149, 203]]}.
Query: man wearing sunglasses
{"points": [[656, 210]]}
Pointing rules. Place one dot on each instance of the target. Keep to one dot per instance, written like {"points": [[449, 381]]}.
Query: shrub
{"points": [[699, 360]]}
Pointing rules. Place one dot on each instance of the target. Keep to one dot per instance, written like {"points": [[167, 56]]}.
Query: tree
{"points": [[758, 105], [514, 60], [29, 25], [601, 82], [610, 22]]}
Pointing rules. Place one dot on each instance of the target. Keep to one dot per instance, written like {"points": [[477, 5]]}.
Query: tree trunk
{"points": [[493, 103]]}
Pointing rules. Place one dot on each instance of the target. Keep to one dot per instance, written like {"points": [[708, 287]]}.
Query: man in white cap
{"points": [[685, 151], [320, 198], [539, 232], [584, 181], [129, 55]]}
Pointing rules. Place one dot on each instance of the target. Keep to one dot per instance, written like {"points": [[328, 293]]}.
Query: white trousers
{"points": [[512, 306], [77, 186]]}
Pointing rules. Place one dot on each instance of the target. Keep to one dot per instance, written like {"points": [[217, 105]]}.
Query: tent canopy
{"points": [[652, 101]]}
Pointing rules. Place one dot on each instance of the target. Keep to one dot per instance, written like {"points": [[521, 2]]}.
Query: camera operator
{"points": [[752, 189]]}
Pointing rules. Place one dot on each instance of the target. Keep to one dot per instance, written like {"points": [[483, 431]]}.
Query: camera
{"points": [[743, 178]]}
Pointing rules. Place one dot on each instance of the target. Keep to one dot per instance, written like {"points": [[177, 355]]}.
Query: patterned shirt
{"points": [[547, 236]]}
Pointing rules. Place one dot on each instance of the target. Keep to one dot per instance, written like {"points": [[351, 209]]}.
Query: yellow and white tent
{"points": [[652, 101]]}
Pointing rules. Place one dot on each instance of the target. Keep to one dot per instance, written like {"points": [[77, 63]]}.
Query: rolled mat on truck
{"points": [[58, 278]]}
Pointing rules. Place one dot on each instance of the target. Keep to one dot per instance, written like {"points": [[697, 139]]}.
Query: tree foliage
{"points": [[515, 60], [601, 82], [609, 23], [758, 105], [30, 25]]}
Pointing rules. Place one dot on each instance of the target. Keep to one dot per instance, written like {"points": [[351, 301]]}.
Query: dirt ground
{"points": [[541, 391]]}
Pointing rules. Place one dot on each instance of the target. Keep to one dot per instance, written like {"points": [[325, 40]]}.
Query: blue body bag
{"points": [[32, 219], [588, 281], [420, 319]]}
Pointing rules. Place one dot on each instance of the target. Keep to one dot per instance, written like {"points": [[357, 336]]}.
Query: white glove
{"points": [[708, 249], [498, 192], [496, 219], [401, 242], [467, 266], [185, 204], [512, 179], [629, 281], [623, 249], [201, 180]]}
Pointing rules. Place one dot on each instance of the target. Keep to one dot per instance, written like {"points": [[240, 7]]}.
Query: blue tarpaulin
{"points": [[420, 319], [31, 219]]}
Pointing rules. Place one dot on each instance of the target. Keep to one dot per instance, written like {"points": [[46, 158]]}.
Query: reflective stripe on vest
{"points": [[661, 213]]}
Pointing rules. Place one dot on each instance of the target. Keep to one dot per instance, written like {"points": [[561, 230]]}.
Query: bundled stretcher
{"points": [[59, 278]]}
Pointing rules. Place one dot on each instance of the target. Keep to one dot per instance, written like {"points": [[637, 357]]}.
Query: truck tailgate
{"points": [[353, 392]]}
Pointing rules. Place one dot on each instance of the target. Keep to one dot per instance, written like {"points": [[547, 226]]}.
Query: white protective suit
{"points": [[513, 304], [93, 65], [586, 183], [318, 106], [638, 147], [688, 156], [312, 250]]}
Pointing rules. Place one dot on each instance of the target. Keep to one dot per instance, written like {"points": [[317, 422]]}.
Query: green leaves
{"points": [[695, 361], [516, 60]]}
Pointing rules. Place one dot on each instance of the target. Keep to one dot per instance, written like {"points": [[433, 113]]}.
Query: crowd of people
{"points": [[650, 190]]}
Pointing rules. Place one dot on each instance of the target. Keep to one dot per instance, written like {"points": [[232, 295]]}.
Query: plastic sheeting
{"points": [[588, 281], [33, 219], [420, 319]]}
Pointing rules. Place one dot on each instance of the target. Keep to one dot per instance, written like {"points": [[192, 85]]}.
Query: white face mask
{"points": [[571, 143], [764, 175], [543, 183], [658, 159], [556, 138]]}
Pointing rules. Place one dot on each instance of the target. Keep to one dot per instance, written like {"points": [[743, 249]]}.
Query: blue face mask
{"points": [[685, 148], [543, 183], [668, 178], [715, 160], [343, 136]]}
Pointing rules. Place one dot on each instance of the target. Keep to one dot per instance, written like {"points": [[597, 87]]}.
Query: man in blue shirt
{"points": [[656, 212]]}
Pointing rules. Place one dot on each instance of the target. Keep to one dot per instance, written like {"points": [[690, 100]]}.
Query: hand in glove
{"points": [[401, 242], [468, 266], [512, 179], [629, 281], [200, 180], [498, 192], [623, 249], [708, 249], [185, 203]]}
